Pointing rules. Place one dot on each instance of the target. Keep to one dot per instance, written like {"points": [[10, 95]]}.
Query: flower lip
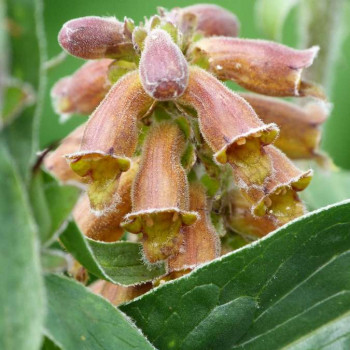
{"points": [[163, 67], [187, 217], [267, 135]]}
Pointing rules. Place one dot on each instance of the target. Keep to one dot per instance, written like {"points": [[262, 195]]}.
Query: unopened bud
{"points": [[210, 20], [261, 66], [95, 37], [160, 194], [106, 227], [163, 67], [110, 137], [82, 92], [201, 242]]}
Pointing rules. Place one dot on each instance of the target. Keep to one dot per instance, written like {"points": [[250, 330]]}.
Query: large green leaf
{"points": [[290, 289], [119, 262], [21, 292], [79, 319]]}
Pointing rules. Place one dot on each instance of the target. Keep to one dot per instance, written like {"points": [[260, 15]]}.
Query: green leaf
{"points": [[27, 46], [79, 319], [119, 262], [54, 260], [21, 292], [52, 204], [271, 15], [327, 187], [299, 276]]}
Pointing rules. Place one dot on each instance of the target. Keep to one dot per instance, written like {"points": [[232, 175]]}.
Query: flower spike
{"points": [[300, 132], [110, 138], [201, 242], [210, 20], [160, 194], [163, 67], [106, 227], [231, 127], [95, 37], [83, 91], [257, 65]]}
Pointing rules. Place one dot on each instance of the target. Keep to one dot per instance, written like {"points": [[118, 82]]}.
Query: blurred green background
{"points": [[336, 138]]}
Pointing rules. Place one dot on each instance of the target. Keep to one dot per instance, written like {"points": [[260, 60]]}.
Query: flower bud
{"points": [[277, 196], [300, 132], [119, 294], [55, 163], [82, 92], [163, 67], [211, 20], [110, 138], [95, 37], [201, 242], [230, 127], [106, 227], [257, 65], [160, 194]]}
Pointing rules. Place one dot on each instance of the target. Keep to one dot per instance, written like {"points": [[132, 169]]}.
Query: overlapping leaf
{"points": [[119, 262], [290, 289], [78, 319]]}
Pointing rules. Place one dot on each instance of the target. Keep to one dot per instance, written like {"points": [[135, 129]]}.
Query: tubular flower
{"points": [[257, 65], [110, 137], [119, 294], [167, 106], [300, 132], [82, 92], [201, 242], [160, 194], [106, 227], [55, 163]]}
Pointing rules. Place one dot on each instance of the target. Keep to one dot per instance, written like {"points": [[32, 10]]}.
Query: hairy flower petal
{"points": [[300, 132], [257, 65], [231, 127], [119, 294], [211, 20], [239, 217], [163, 67], [106, 227], [110, 138], [95, 37], [201, 242], [55, 163], [160, 194], [82, 92], [277, 196]]}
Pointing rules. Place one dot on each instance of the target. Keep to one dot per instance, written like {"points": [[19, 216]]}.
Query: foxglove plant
{"points": [[162, 122]]}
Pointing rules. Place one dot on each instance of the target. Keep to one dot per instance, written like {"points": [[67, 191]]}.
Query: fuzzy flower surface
{"points": [[169, 154]]}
